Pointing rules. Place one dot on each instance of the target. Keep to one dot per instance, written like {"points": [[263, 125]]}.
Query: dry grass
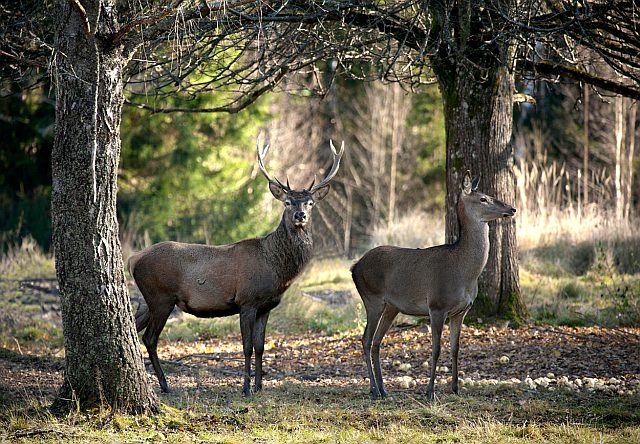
{"points": [[25, 259], [413, 229]]}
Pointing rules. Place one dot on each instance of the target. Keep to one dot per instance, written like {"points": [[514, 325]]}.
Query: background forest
{"points": [[193, 177]]}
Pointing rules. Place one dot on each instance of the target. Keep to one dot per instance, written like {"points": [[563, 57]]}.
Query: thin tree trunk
{"points": [[585, 148], [618, 144], [478, 110], [103, 360], [397, 125], [631, 147]]}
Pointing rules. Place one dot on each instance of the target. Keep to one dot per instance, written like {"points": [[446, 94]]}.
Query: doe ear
{"points": [[277, 190], [320, 193], [475, 183], [467, 186]]}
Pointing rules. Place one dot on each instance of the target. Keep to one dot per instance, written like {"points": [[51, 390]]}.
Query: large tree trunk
{"points": [[103, 360], [478, 123]]}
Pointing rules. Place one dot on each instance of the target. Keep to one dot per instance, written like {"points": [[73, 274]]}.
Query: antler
{"points": [[334, 168], [261, 155]]}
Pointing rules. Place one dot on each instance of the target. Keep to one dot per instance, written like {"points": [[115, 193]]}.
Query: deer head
{"points": [[481, 206], [299, 203]]}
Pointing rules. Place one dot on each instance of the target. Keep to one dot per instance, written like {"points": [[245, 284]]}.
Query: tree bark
{"points": [[478, 108], [103, 359]]}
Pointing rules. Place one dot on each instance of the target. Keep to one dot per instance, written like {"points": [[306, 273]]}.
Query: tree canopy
{"points": [[240, 49]]}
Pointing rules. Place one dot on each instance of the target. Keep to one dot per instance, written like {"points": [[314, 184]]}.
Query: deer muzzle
{"points": [[509, 213], [300, 218]]}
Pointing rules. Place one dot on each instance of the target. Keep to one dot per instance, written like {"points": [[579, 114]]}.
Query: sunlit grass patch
{"points": [[329, 273], [309, 414], [583, 300], [299, 312], [186, 327], [26, 260]]}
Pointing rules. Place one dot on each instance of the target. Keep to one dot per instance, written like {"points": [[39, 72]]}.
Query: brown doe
{"points": [[439, 281], [247, 277]]}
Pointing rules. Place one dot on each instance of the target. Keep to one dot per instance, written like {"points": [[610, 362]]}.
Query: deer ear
{"points": [[475, 183], [320, 193], [466, 182], [277, 190]]}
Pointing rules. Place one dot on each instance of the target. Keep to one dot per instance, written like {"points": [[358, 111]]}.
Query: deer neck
{"points": [[289, 250], [472, 245]]}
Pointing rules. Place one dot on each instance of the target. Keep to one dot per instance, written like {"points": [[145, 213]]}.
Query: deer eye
{"points": [[483, 199], [287, 203]]}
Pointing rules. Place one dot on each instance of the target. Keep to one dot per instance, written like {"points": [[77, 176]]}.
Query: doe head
{"points": [[299, 203], [481, 206]]}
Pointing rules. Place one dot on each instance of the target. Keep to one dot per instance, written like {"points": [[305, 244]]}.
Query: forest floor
{"points": [[540, 382], [530, 384], [529, 359]]}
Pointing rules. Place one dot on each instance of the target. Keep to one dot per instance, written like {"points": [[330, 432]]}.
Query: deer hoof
{"points": [[430, 394], [377, 394]]}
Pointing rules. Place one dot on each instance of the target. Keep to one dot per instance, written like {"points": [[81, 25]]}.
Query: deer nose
{"points": [[300, 216], [510, 212]]}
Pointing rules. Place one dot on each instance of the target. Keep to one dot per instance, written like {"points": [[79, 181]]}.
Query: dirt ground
{"points": [[539, 358]]}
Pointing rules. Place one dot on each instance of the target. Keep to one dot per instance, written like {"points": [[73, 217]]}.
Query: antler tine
{"points": [[261, 155], [334, 167], [312, 182]]}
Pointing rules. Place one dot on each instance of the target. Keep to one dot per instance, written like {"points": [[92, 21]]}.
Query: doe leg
{"points": [[258, 345], [437, 323], [157, 320], [247, 325], [455, 327]]}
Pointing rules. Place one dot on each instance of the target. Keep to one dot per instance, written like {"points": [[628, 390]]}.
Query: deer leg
{"points": [[247, 326], [388, 315], [437, 323], [373, 318], [258, 345], [157, 320], [455, 327]]}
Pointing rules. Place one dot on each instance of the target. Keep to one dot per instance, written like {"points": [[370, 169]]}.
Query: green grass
{"points": [[585, 284], [327, 414]]}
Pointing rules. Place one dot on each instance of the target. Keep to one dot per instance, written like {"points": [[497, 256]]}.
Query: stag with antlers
{"points": [[247, 277]]}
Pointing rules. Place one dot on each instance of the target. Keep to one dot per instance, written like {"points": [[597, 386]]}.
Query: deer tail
{"points": [[142, 317]]}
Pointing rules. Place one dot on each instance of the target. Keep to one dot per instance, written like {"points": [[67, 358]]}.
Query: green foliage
{"points": [[25, 173], [188, 176], [426, 124]]}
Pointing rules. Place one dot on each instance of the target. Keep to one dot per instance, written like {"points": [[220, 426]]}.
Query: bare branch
{"points": [[83, 15], [230, 109], [548, 69]]}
